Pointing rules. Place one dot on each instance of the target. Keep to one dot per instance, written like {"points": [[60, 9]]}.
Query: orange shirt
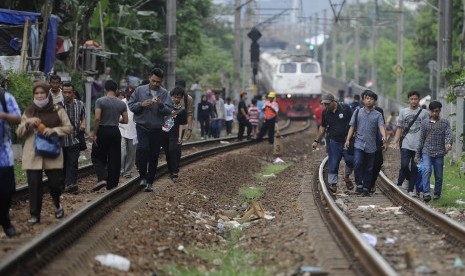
{"points": [[271, 109]]}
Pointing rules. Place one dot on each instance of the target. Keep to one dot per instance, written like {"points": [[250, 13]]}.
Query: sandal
{"points": [[349, 183]]}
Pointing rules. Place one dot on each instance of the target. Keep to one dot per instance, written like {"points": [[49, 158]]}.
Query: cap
{"points": [[271, 94], [328, 98]]}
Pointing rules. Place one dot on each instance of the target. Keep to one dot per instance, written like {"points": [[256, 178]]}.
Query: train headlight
{"points": [[289, 96]]}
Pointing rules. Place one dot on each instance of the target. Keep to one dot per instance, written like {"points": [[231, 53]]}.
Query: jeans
{"points": [[407, 158], [430, 163], [363, 167], [335, 152], [217, 126], [70, 164]]}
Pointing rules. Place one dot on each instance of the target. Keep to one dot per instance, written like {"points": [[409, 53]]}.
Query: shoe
{"points": [[128, 175], [365, 194], [9, 230], [412, 194], [174, 175], [143, 182], [149, 188], [349, 184], [332, 188], [373, 190], [359, 190], [99, 185], [427, 198], [71, 188], [436, 197], [59, 212], [33, 220]]}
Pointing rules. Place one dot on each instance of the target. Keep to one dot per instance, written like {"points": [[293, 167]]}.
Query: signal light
{"points": [[311, 47]]}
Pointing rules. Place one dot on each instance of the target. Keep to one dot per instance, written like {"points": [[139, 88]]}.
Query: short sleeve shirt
{"points": [[337, 123], [406, 116], [368, 124], [112, 109], [6, 152]]}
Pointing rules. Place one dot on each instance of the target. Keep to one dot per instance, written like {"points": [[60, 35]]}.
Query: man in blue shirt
{"points": [[369, 121], [9, 115]]}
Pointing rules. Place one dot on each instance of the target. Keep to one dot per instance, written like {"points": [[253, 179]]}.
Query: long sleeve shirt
{"points": [[435, 143]]}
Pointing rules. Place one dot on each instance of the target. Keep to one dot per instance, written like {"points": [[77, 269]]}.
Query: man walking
{"points": [[77, 115], [9, 115], [408, 137], [55, 89], [270, 110], [335, 122], [106, 147], [150, 103]]}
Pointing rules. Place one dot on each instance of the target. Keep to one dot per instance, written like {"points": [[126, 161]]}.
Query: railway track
{"points": [[32, 252], [391, 233]]}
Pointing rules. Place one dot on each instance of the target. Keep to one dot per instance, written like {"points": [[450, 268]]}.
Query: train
{"points": [[296, 80]]}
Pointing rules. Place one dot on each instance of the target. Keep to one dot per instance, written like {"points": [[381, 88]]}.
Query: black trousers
{"points": [[106, 155], [147, 152], [377, 165], [243, 123], [172, 151], [70, 164], [7, 188], [56, 185], [204, 126], [268, 126]]}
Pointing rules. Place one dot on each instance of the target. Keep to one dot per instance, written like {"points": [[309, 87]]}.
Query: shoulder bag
{"points": [[47, 147], [406, 130]]}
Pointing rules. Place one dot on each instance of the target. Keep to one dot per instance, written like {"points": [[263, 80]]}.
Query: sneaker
{"points": [[174, 175], [33, 220], [373, 190], [59, 212], [359, 190], [436, 197], [9, 230], [99, 185], [128, 175], [412, 194], [349, 184], [427, 198], [143, 182], [365, 194], [332, 188], [149, 188]]}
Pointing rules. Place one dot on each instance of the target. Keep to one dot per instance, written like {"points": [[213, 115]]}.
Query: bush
{"points": [[20, 85]]}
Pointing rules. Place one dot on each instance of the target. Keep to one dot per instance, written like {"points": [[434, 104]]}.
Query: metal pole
{"points": [[460, 94], [171, 43], [441, 5], [237, 48], [88, 86], [333, 50], [374, 73], [324, 41], [316, 36], [400, 50], [357, 45]]}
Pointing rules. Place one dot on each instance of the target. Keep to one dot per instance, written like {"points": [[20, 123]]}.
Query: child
{"points": [[254, 116], [230, 110]]}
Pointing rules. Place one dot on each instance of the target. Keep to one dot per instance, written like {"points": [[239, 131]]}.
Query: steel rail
{"points": [[369, 258]]}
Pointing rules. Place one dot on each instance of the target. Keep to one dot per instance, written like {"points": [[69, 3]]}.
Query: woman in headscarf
{"points": [[49, 119]]}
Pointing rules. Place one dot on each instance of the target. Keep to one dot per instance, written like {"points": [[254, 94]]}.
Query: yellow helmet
{"points": [[272, 94]]}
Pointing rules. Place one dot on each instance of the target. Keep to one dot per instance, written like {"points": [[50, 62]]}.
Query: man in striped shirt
{"points": [[76, 113], [435, 142]]}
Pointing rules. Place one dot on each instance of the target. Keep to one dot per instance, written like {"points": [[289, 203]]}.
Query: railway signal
{"points": [[254, 35]]}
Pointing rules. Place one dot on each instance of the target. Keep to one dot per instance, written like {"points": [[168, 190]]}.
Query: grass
{"points": [[453, 186], [252, 193], [272, 169], [20, 175]]}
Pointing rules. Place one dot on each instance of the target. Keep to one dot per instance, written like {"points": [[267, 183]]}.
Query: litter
{"points": [[224, 142], [390, 240], [459, 202], [269, 175], [458, 263], [370, 239], [366, 207], [115, 261], [278, 161]]}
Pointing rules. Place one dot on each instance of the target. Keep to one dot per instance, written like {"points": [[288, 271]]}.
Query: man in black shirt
{"points": [[335, 121]]}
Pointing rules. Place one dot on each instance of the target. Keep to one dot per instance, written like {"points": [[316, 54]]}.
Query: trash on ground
{"points": [[255, 209], [458, 263], [390, 240], [232, 224], [366, 207], [269, 175], [370, 239], [459, 202], [224, 142], [269, 217], [423, 269], [181, 247], [312, 270], [366, 226], [115, 261], [278, 161]]}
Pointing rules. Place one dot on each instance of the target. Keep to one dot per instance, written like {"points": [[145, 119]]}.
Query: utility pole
{"points": [[317, 47], [171, 43], [400, 51], [333, 50], [374, 75], [441, 5], [237, 48], [357, 44], [324, 41], [447, 55]]}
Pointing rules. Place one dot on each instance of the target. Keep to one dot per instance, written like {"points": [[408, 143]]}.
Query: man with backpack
{"points": [[335, 123]]}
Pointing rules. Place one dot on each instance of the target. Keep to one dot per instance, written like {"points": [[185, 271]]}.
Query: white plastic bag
{"points": [[114, 261]]}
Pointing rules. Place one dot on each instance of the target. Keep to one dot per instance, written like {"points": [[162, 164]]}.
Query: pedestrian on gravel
{"points": [[71, 146], [204, 113], [188, 103], [174, 131], [229, 117], [355, 104], [110, 111], [9, 115], [408, 138], [335, 125], [150, 104], [369, 121], [254, 117], [243, 118], [55, 89], [435, 142], [128, 138], [51, 120], [270, 110], [220, 115]]}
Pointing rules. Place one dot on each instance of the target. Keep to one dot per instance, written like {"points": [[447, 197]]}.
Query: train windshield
{"points": [[288, 68], [309, 68]]}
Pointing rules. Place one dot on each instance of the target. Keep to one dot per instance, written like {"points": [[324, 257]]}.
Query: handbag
{"points": [[48, 147], [82, 141]]}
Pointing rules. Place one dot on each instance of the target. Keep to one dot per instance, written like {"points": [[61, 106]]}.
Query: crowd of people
{"points": [[132, 125], [358, 132]]}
